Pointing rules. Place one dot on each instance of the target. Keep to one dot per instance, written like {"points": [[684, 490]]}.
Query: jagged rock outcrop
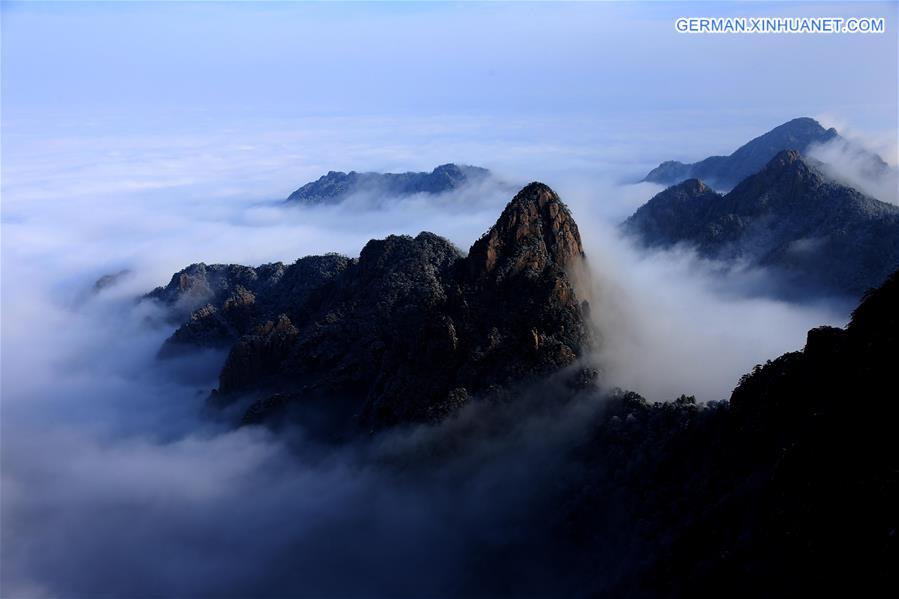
{"points": [[676, 215], [372, 328], [724, 172], [336, 186], [221, 302], [535, 232], [821, 237], [200, 283], [518, 294], [411, 329]]}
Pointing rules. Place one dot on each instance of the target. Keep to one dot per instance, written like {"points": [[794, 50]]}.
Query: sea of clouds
{"points": [[116, 481]]}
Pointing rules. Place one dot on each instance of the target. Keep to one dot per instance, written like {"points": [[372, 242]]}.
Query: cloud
{"points": [[148, 137], [219, 512], [117, 482], [672, 322], [852, 163]]}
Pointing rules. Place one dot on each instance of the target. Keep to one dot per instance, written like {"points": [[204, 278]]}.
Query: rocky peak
{"points": [[727, 171], [786, 159], [535, 230], [451, 171], [785, 173], [800, 128], [693, 186], [449, 167], [217, 303], [813, 234], [380, 254], [202, 283], [663, 218], [411, 329], [688, 191]]}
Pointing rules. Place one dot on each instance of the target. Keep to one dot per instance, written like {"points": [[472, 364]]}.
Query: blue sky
{"points": [[179, 64]]}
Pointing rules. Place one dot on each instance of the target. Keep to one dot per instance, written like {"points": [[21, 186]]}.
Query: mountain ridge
{"points": [[819, 234], [727, 171], [801, 479], [412, 329], [336, 186], [793, 476]]}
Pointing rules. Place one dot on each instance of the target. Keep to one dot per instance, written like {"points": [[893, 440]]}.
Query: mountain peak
{"points": [[451, 167], [803, 119], [410, 330], [812, 233], [803, 123], [534, 231], [789, 168], [788, 156], [787, 159], [727, 171], [692, 186]]}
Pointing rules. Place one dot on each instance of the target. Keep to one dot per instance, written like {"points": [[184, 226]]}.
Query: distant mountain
{"points": [[724, 172], [818, 234], [405, 333], [337, 186]]}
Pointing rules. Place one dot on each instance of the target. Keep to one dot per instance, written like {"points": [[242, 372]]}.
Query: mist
{"points": [[853, 164], [141, 138], [111, 457]]}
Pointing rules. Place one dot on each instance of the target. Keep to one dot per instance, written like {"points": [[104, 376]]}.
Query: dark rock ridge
{"points": [[790, 488], [819, 235], [724, 172], [218, 303], [337, 186], [409, 331]]}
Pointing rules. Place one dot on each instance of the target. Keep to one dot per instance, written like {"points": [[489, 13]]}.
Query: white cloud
{"points": [[853, 163]]}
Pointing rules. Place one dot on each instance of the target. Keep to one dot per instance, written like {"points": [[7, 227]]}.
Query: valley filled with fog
{"points": [[105, 442], [118, 476]]}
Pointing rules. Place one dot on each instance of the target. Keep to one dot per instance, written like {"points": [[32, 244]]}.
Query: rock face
{"points": [[795, 476], [337, 186], [724, 172], [219, 303], [820, 236], [409, 331]]}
